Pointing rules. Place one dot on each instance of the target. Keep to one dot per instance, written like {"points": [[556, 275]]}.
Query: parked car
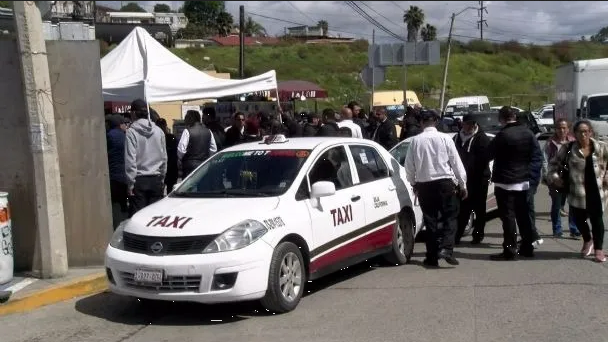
{"points": [[261, 219], [399, 152]]}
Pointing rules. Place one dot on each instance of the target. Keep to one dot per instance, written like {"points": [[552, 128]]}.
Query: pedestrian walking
{"points": [[439, 178], [580, 169], [472, 144]]}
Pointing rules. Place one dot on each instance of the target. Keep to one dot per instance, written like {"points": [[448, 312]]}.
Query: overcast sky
{"points": [[541, 22]]}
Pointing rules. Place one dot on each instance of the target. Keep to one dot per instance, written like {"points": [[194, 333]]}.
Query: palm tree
{"points": [[428, 33], [414, 17], [324, 27], [254, 29], [224, 23]]}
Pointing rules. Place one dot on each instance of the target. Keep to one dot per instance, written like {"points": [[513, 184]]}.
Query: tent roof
{"points": [[140, 59]]}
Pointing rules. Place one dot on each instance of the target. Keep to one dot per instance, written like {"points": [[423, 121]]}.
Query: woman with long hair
{"points": [[587, 185], [560, 138]]}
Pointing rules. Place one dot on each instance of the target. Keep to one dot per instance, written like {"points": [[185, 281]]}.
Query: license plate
{"points": [[148, 276]]}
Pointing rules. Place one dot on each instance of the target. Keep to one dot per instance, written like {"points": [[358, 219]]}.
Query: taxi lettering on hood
{"points": [[169, 221]]}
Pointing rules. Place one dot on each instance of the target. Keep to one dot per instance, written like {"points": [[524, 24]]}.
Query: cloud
{"points": [[540, 22]]}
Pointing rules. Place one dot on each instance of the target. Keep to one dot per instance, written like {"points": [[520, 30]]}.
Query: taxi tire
{"points": [[395, 257], [273, 300]]}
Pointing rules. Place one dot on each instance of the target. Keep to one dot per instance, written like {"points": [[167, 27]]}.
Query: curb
{"points": [[82, 286]]}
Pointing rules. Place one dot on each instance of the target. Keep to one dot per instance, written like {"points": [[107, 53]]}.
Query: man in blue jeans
{"points": [[536, 167]]}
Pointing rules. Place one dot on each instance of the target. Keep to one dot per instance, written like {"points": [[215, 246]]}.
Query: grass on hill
{"points": [[507, 73]]}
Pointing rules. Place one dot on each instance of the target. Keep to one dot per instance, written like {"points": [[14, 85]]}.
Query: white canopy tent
{"points": [[140, 67]]}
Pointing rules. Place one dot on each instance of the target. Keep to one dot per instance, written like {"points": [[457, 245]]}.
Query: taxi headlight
{"points": [[238, 236], [117, 238]]}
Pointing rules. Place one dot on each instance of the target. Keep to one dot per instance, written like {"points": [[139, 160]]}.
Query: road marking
{"points": [[21, 285]]}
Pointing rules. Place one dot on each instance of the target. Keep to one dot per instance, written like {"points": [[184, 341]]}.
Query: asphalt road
{"points": [[555, 297]]}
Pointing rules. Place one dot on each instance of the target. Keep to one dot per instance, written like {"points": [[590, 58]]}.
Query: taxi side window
{"points": [[332, 166], [369, 164]]}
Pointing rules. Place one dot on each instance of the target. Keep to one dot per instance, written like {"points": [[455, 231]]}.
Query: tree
{"points": [[204, 13], [428, 33], [414, 17], [324, 27], [601, 36], [132, 7], [224, 23], [162, 8], [253, 28], [6, 4]]}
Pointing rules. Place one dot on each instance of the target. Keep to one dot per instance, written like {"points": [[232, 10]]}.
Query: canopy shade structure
{"points": [[296, 88], [140, 67]]}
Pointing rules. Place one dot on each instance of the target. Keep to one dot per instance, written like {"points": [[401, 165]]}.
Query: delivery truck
{"points": [[581, 92]]}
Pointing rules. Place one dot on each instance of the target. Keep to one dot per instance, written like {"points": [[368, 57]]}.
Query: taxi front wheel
{"points": [[403, 240], [286, 279]]}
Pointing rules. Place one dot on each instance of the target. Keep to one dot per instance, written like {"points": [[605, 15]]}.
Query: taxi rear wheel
{"points": [[403, 240], [286, 279]]}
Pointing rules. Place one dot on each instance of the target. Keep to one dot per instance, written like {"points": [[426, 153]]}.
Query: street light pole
{"points": [[447, 58]]}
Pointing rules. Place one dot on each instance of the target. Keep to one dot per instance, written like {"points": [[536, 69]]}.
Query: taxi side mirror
{"points": [[322, 189]]}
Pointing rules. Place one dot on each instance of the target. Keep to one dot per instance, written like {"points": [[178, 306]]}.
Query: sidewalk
{"points": [[29, 293]]}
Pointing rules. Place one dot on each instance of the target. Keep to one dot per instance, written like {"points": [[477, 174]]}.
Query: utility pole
{"points": [[242, 42], [405, 71], [50, 220], [371, 104], [482, 21], [447, 61]]}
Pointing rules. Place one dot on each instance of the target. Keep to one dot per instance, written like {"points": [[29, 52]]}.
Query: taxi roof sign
{"points": [[274, 139]]}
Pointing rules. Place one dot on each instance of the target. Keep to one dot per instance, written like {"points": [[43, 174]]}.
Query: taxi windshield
{"points": [[259, 173]]}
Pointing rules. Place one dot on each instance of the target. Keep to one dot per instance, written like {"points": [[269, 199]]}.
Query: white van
{"points": [[459, 106]]}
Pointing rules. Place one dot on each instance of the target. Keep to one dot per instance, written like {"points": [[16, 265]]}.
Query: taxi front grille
{"points": [[169, 284], [159, 246]]}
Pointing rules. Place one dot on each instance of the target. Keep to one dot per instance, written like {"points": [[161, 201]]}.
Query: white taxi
{"points": [[259, 220]]}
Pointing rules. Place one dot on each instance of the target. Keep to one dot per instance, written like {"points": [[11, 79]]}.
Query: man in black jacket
{"points": [[196, 144], [386, 132], [312, 125], [329, 128], [512, 151], [472, 144]]}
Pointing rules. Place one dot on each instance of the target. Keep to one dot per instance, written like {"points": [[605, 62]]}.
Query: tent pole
{"points": [[279, 106]]}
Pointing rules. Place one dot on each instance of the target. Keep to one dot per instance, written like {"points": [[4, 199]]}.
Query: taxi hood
{"points": [[197, 216]]}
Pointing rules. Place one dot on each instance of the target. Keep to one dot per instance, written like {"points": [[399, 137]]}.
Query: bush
{"points": [[359, 45]]}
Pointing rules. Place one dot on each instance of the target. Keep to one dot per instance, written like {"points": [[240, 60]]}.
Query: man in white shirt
{"points": [[196, 143], [346, 116], [438, 176]]}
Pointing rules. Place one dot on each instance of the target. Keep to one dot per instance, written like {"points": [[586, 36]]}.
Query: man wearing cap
{"points": [[439, 178], [472, 144], [145, 159]]}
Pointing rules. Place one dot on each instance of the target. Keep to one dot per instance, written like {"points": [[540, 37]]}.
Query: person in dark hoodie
{"points": [[171, 141], [536, 166], [145, 159], [329, 128], [472, 144], [115, 138], [293, 129]]}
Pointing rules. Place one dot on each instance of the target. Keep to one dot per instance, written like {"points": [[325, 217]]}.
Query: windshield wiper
{"points": [[225, 192]]}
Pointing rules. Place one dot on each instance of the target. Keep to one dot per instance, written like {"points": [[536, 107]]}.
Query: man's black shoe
{"points": [[428, 262], [476, 240], [526, 253], [503, 257], [449, 258]]}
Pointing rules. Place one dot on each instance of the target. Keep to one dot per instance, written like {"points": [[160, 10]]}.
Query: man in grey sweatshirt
{"points": [[145, 159]]}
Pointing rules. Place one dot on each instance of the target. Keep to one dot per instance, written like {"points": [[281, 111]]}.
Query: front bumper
{"points": [[193, 278]]}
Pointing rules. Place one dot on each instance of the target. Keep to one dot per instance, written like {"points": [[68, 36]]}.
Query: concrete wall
{"points": [[76, 81], [16, 170], [76, 84]]}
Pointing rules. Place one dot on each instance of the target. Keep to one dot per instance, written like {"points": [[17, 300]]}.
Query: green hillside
{"points": [[504, 72]]}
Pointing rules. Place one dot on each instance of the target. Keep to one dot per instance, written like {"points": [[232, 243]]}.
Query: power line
{"points": [[480, 23], [367, 17], [385, 18], [304, 14]]}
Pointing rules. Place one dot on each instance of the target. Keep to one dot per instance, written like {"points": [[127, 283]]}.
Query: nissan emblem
{"points": [[156, 247]]}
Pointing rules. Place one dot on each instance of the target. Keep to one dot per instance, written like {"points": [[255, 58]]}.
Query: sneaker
{"points": [[558, 235], [575, 236], [536, 244], [503, 257]]}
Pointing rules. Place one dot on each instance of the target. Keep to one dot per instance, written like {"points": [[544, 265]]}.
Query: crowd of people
{"points": [[450, 176]]}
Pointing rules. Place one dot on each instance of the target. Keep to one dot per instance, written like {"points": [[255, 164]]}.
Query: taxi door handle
{"points": [[391, 188], [355, 198]]}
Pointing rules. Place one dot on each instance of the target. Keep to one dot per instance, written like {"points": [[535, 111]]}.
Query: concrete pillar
{"points": [[43, 141]]}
